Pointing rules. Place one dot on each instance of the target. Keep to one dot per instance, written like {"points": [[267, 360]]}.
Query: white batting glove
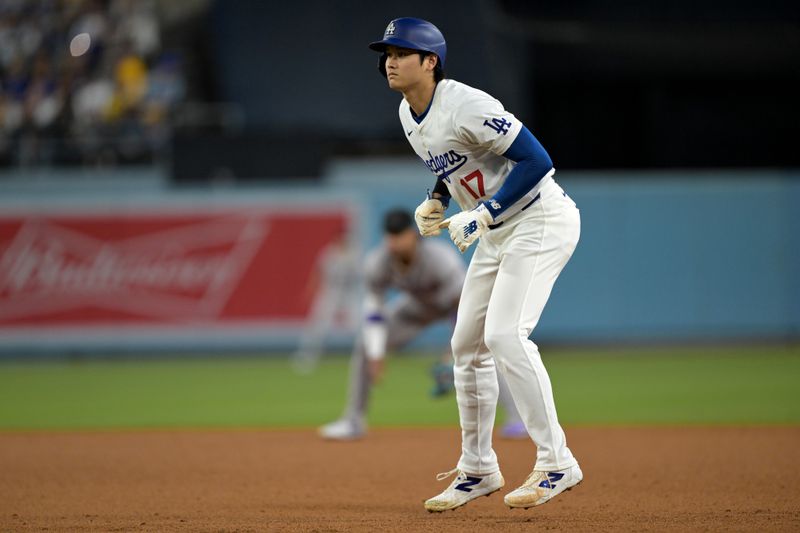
{"points": [[465, 227], [428, 215]]}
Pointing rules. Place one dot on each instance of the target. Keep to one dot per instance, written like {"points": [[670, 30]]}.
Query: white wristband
{"points": [[375, 340]]}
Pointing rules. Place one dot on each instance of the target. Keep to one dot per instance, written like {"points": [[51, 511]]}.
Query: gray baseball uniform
{"points": [[430, 288], [339, 272], [429, 291]]}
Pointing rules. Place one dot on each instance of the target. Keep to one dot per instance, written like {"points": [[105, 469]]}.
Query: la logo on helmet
{"points": [[389, 29]]}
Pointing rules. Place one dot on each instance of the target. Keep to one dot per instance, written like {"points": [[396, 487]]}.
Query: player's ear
{"points": [[431, 60]]}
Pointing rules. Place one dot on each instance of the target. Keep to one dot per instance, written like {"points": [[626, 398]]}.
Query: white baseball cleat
{"points": [[541, 487], [343, 429], [463, 489]]}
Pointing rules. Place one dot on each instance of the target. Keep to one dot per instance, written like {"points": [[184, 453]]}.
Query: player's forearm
{"points": [[533, 164], [441, 193], [375, 335], [374, 329]]}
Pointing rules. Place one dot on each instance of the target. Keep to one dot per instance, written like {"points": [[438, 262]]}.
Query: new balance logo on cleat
{"points": [[550, 483], [463, 489], [471, 481], [541, 487]]}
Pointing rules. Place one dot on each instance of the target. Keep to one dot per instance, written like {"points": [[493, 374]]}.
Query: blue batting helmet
{"points": [[412, 33]]}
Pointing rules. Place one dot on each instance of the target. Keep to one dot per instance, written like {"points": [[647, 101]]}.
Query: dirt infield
{"points": [[644, 479]]}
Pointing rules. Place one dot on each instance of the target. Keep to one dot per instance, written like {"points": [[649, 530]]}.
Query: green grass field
{"points": [[719, 385]]}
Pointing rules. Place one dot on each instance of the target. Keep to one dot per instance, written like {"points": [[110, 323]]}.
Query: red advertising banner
{"points": [[164, 267]]}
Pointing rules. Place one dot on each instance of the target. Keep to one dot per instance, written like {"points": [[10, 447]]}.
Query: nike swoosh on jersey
{"points": [[409, 132]]}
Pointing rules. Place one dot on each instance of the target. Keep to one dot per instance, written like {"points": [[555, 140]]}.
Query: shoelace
{"points": [[444, 475], [535, 474]]}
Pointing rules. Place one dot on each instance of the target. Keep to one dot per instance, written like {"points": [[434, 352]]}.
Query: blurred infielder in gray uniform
{"points": [[429, 275], [335, 286]]}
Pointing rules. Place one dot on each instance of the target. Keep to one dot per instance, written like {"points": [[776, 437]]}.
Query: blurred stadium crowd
{"points": [[213, 87], [110, 104]]}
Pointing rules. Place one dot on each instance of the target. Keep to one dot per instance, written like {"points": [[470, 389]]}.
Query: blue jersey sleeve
{"points": [[533, 164]]}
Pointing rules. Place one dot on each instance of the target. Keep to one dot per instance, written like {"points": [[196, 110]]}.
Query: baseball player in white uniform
{"points": [[526, 226], [428, 274]]}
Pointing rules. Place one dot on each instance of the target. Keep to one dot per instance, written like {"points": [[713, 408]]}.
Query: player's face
{"points": [[403, 68], [402, 245]]}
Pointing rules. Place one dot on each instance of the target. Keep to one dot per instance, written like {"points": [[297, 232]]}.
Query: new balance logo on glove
{"points": [[470, 228]]}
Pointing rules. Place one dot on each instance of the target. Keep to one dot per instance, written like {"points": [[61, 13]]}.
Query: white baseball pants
{"points": [[508, 283], [406, 318]]}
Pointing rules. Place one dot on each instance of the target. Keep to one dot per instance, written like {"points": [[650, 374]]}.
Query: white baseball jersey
{"points": [[461, 139]]}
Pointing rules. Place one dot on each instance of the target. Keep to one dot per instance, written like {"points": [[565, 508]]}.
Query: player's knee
{"points": [[502, 342], [463, 344], [457, 345]]}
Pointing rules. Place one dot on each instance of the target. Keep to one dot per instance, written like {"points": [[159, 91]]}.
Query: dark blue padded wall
{"points": [[296, 66]]}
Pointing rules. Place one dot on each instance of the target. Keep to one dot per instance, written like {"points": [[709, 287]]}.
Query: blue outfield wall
{"points": [[666, 256], [675, 256], [682, 256]]}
